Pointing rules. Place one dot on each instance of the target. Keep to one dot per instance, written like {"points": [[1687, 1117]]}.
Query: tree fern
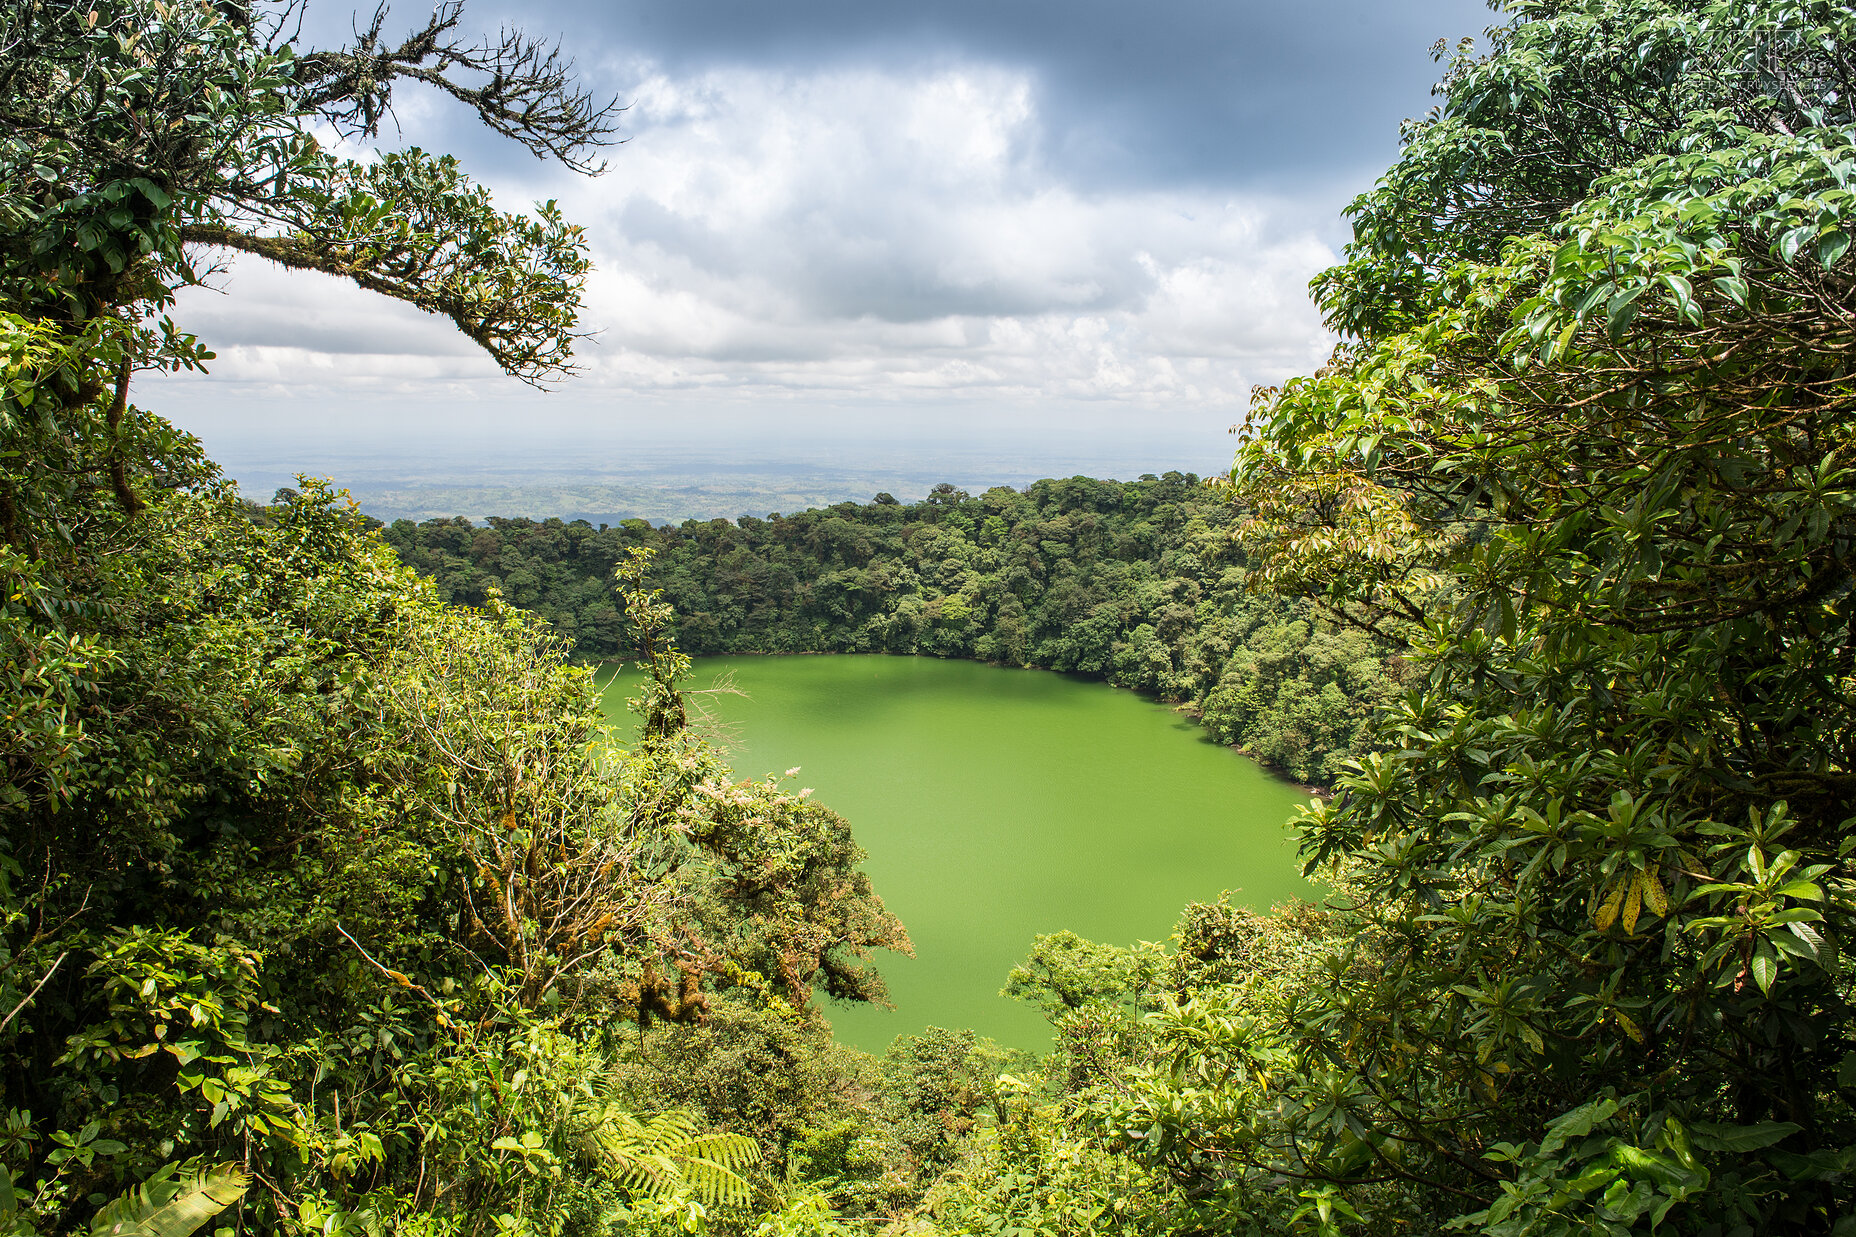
{"points": [[667, 1154], [164, 1206]]}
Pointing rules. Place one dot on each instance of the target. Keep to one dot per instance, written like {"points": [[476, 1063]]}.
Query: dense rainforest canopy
{"points": [[325, 904], [1586, 453], [1140, 583]]}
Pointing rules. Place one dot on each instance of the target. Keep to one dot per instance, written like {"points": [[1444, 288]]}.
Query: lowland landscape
{"points": [[1487, 731]]}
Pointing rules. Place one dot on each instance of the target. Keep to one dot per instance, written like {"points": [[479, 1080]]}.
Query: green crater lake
{"points": [[996, 804]]}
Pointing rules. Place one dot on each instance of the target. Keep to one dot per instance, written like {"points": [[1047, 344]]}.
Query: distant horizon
{"points": [[670, 466]]}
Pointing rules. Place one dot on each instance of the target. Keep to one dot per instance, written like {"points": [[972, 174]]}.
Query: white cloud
{"points": [[847, 234]]}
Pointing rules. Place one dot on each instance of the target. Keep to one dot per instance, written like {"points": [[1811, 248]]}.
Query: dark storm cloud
{"points": [[1181, 91]]}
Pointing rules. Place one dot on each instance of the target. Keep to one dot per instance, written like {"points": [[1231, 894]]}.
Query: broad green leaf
{"points": [[160, 1207], [1622, 310], [1740, 1138], [1765, 967]]}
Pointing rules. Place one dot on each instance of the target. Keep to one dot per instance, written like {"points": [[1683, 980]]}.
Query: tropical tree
{"points": [[135, 129], [1585, 455], [303, 872]]}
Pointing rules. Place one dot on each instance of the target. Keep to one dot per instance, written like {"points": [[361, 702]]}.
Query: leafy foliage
{"points": [[1034, 1173], [1585, 461], [347, 887], [305, 875]]}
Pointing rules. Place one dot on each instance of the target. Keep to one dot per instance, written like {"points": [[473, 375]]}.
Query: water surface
{"points": [[996, 804]]}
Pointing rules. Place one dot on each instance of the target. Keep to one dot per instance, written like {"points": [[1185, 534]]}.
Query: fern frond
{"points": [[728, 1150], [712, 1183], [665, 1132], [664, 1155], [668, 1154], [650, 1174]]}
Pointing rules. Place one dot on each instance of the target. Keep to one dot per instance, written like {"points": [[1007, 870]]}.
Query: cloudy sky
{"points": [[1084, 224]]}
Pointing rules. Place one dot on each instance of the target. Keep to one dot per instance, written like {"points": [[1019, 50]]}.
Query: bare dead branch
{"points": [[521, 87]]}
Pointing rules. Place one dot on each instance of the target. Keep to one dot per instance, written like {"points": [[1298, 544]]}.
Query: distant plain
{"points": [[407, 463]]}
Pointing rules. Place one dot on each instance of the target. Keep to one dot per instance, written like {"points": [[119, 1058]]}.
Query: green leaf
{"points": [[1564, 339], [160, 1207], [1622, 311], [1740, 1138], [1818, 1165], [1831, 246], [1765, 969], [1794, 240]]}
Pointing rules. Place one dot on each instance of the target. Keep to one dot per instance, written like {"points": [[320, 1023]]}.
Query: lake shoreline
{"points": [[1184, 708]]}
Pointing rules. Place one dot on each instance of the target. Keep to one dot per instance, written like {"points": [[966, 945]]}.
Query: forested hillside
{"points": [[1140, 583]]}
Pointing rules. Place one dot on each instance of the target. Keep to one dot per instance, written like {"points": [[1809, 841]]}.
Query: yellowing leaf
{"points": [[1654, 896], [1633, 903], [1608, 913]]}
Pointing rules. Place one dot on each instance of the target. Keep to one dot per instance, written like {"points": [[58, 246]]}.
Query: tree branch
{"points": [[526, 90], [27, 999]]}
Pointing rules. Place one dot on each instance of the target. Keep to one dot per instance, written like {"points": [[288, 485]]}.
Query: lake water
{"points": [[996, 804]]}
